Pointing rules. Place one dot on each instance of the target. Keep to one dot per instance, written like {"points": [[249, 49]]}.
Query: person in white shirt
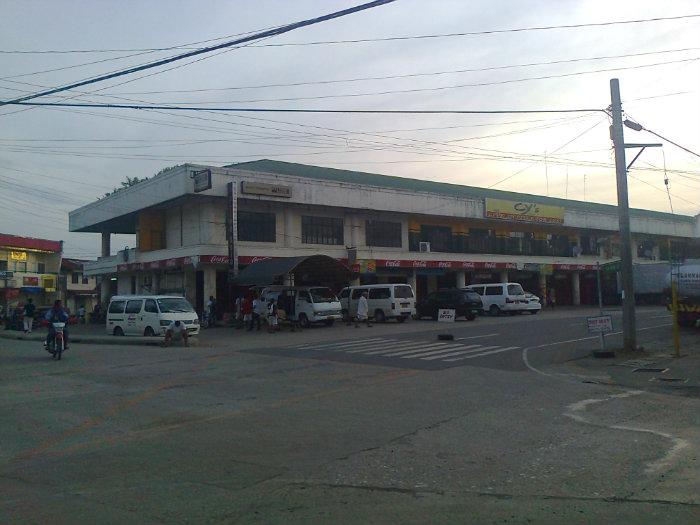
{"points": [[174, 332], [362, 311]]}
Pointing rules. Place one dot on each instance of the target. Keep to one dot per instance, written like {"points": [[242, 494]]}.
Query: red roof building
{"points": [[30, 243]]}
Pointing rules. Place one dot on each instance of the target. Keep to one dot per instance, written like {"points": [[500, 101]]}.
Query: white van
{"points": [[384, 301], [149, 315], [501, 297], [313, 304]]}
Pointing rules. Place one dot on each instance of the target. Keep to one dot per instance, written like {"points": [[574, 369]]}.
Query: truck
{"points": [[687, 279]]}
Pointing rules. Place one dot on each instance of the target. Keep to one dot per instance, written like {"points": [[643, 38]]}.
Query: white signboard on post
{"points": [[446, 315], [600, 325]]}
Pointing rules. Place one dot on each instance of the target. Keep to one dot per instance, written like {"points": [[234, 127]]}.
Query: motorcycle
{"points": [[57, 343]]}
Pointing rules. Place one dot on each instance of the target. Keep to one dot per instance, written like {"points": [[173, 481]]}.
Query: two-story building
{"points": [[79, 289], [196, 224], [29, 267]]}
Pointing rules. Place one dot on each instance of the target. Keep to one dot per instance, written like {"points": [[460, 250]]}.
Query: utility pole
{"points": [[629, 322]]}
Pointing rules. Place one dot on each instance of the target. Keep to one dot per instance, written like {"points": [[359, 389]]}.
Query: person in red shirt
{"points": [[247, 311]]}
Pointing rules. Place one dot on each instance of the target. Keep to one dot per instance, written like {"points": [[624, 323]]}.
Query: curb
{"points": [[97, 340]]}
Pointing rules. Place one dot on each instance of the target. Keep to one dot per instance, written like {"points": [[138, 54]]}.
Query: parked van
{"points": [[384, 301], [313, 304], [501, 297], [149, 315]]}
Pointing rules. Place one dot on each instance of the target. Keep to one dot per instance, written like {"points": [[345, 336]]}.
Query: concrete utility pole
{"points": [[629, 322]]}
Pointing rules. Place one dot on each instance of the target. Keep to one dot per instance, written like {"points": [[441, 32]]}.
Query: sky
{"points": [[53, 160]]}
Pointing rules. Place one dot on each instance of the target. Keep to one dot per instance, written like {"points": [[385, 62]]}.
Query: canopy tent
{"points": [[307, 270]]}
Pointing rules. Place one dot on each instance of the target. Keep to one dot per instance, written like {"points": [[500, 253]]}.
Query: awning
{"points": [[32, 289], [310, 270]]}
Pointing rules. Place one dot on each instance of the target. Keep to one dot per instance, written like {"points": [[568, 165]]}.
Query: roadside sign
{"points": [[599, 325], [446, 315], [6, 275]]}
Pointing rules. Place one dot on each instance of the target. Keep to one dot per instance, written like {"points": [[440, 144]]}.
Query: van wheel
{"points": [[400, 319], [470, 316], [118, 331], [379, 316], [304, 321], [148, 332], [494, 310]]}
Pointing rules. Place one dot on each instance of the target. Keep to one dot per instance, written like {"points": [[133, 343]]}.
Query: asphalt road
{"points": [[226, 433]]}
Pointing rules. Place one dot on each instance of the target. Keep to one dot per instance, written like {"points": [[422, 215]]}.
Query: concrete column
{"points": [[209, 282], [354, 230], [432, 283], [461, 279], [543, 288], [355, 281], [576, 288], [104, 290], [288, 229], [504, 276], [106, 244]]}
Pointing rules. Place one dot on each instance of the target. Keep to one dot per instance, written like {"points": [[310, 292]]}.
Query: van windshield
{"points": [[174, 305], [515, 289], [403, 292], [322, 295]]}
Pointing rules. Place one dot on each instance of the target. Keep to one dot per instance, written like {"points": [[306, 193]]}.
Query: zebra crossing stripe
{"points": [[340, 345], [483, 354], [396, 345], [453, 351], [423, 348]]}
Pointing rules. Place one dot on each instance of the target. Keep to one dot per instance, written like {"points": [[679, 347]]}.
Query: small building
{"points": [[79, 289], [195, 225], [29, 267]]}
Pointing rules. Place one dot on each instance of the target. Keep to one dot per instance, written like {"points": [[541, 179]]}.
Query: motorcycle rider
{"points": [[56, 315]]}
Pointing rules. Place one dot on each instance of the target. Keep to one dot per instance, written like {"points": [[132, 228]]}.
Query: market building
{"points": [[29, 267], [197, 224]]}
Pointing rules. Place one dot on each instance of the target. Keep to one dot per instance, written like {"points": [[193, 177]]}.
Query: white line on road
{"points": [[439, 354], [341, 345], [474, 349], [393, 353], [395, 346], [476, 337], [500, 350]]}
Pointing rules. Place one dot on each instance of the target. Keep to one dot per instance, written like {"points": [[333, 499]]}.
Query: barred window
{"points": [[321, 230], [257, 227], [383, 233]]}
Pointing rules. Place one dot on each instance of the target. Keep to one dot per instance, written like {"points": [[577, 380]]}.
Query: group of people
{"points": [[252, 310]]}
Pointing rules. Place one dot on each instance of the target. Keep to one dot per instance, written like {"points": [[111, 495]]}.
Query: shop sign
{"points": [[49, 284], [30, 281], [368, 266], [446, 315], [18, 256], [523, 211], [546, 269], [202, 180], [600, 325], [271, 190], [6, 275]]}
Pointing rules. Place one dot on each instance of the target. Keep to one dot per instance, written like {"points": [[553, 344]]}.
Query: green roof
{"points": [[453, 190]]}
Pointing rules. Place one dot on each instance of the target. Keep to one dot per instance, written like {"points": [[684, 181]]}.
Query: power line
{"points": [[490, 32], [250, 38], [406, 75], [385, 39]]}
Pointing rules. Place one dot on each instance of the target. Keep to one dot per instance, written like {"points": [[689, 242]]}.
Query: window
{"points": [[403, 292], [150, 307], [257, 227], [40, 267], [439, 237], [304, 296], [383, 233], [3, 266], [133, 307], [86, 280], [357, 293], [478, 289], [75, 278], [515, 289], [20, 266], [321, 230], [322, 295], [379, 293], [494, 290], [116, 307], [344, 293], [171, 305]]}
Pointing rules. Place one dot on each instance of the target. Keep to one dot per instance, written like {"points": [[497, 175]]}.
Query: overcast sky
{"points": [[57, 160]]}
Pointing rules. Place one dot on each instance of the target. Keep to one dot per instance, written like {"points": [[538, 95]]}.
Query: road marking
{"points": [[476, 337], [437, 354], [386, 347], [340, 345], [480, 354], [404, 352], [465, 350]]}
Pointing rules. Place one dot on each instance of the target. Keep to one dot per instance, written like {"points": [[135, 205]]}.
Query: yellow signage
{"points": [[523, 211], [18, 256], [48, 283]]}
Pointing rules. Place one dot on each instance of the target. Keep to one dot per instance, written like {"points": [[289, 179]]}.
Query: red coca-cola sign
{"points": [[392, 264]]}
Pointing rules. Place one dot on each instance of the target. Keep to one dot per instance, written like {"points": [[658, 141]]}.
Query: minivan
{"points": [[501, 297], [384, 301], [313, 304], [149, 315]]}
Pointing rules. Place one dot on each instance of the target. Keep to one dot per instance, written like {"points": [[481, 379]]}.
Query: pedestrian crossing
{"points": [[429, 352]]}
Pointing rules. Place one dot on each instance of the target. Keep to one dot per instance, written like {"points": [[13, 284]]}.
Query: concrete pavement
{"points": [[117, 434]]}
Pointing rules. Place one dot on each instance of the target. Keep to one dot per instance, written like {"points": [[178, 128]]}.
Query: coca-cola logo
{"points": [[218, 259], [420, 264], [171, 262], [392, 264], [468, 265], [489, 265], [444, 264], [258, 259]]}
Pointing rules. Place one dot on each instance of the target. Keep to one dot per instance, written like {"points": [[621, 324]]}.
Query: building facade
{"points": [[29, 267], [79, 289], [196, 224]]}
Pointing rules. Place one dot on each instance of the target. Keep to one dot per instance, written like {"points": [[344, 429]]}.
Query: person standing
{"points": [[362, 311], [247, 311], [81, 314], [551, 298], [272, 316], [238, 311], [29, 309], [211, 312], [259, 309]]}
